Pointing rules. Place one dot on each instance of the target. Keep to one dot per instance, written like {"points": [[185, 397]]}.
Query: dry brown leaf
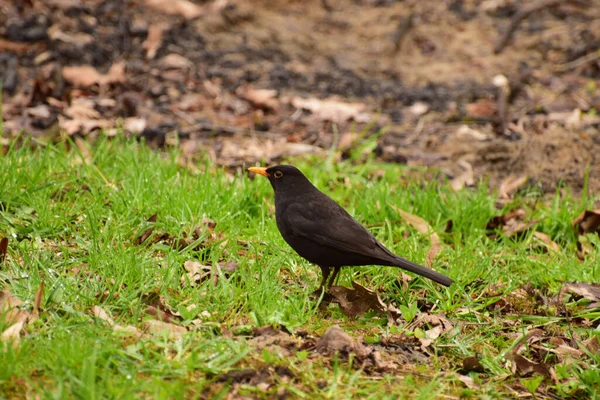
{"points": [[251, 150], [84, 150], [416, 222], [467, 380], [157, 307], [469, 133], [472, 364], [13, 333], [154, 39], [552, 245], [587, 222], [521, 366], [82, 75], [37, 303], [335, 340], [156, 327], [265, 99], [86, 75], [3, 249], [511, 185], [15, 47], [79, 39], [434, 250], [481, 109], [146, 234], [100, 313], [430, 336], [196, 272], [512, 223], [9, 308], [592, 345], [358, 301], [589, 291], [184, 8], [514, 227], [175, 61], [333, 110], [128, 329], [465, 178], [424, 228], [566, 353]]}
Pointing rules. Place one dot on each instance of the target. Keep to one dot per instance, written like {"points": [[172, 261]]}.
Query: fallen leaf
{"points": [[174, 61], [465, 178], [511, 223], [333, 110], [521, 366], [592, 345], [467, 380], [210, 224], [100, 313], [15, 47], [472, 364], [156, 306], [430, 336], [154, 39], [39, 295], [13, 333], [86, 75], [417, 109], [566, 353], [146, 234], [424, 228], [3, 249], [481, 109], [156, 327], [128, 329], [589, 291], [433, 251], [196, 272], [587, 222], [416, 222], [335, 340], [468, 133], [9, 308], [356, 302], [510, 185], [552, 245], [184, 8], [79, 39], [265, 99]]}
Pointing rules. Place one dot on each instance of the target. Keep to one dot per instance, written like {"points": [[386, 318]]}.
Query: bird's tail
{"points": [[421, 270]]}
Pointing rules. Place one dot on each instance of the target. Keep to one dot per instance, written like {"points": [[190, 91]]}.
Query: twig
{"points": [[520, 16], [587, 59], [403, 28]]}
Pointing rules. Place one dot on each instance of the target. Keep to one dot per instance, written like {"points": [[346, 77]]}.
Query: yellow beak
{"points": [[259, 170]]}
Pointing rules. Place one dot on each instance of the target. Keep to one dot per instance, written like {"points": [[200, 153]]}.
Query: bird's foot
{"points": [[321, 293]]}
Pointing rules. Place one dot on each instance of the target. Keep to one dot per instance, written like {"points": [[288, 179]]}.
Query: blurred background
{"points": [[498, 89]]}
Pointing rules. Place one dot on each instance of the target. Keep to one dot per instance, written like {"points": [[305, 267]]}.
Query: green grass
{"points": [[73, 225]]}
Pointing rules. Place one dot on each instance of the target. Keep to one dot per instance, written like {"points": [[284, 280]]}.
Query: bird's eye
{"points": [[278, 174]]}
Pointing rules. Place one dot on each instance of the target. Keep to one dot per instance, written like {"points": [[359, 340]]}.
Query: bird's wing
{"points": [[325, 222]]}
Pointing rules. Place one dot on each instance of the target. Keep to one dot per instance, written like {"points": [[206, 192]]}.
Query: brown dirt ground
{"points": [[423, 70]]}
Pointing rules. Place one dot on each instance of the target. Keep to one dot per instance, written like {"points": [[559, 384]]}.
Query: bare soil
{"points": [[433, 74]]}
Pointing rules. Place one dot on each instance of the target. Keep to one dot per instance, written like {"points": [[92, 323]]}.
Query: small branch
{"points": [[581, 61], [520, 16], [403, 28]]}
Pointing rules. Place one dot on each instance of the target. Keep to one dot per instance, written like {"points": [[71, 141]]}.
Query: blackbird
{"points": [[322, 232]]}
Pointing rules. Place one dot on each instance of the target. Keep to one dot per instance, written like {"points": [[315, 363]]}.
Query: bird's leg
{"points": [[336, 271], [325, 272]]}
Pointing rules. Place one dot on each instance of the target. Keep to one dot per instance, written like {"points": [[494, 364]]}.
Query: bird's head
{"points": [[283, 177]]}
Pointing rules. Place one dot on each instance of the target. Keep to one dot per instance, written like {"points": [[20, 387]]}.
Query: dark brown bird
{"points": [[322, 232]]}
